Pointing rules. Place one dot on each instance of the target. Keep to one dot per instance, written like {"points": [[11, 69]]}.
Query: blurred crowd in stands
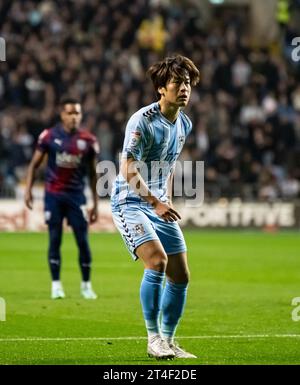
{"points": [[246, 111]]}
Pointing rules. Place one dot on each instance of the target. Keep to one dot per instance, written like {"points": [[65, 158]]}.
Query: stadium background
{"points": [[246, 111], [246, 115]]}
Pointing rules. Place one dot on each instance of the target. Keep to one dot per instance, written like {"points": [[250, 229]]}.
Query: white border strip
{"points": [[59, 339]]}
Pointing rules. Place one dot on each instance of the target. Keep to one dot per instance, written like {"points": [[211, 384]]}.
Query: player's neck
{"points": [[68, 130], [169, 111]]}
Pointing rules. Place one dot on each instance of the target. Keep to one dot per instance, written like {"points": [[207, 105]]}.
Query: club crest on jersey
{"points": [[81, 144], [139, 230], [134, 138]]}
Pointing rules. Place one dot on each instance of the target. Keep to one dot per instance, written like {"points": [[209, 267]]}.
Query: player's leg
{"points": [[85, 260], [154, 259], [77, 219], [54, 256], [85, 255], [174, 299], [143, 243], [54, 219], [54, 259], [175, 291]]}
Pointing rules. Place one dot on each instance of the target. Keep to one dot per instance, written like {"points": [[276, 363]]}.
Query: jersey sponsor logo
{"points": [[65, 160], [81, 144], [58, 141]]}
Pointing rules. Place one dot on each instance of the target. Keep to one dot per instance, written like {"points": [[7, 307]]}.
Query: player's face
{"points": [[177, 91], [71, 116]]}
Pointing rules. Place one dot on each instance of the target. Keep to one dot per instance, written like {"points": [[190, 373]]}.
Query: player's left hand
{"points": [[93, 215]]}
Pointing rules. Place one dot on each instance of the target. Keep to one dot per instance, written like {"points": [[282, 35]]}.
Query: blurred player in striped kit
{"points": [[72, 154]]}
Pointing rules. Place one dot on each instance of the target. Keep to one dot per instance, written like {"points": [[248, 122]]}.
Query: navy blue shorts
{"points": [[65, 205]]}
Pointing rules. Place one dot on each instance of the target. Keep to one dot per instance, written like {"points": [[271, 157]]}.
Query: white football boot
{"points": [[57, 291], [86, 291], [179, 352], [159, 349]]}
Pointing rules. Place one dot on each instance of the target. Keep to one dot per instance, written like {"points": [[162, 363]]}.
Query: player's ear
{"points": [[161, 91]]}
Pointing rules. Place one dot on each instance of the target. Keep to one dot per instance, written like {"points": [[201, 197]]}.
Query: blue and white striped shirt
{"points": [[156, 143]]}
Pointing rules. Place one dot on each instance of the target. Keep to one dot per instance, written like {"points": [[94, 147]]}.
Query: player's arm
{"points": [[93, 215], [36, 161], [133, 177]]}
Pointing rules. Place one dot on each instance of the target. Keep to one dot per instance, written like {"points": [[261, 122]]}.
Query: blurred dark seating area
{"points": [[246, 110]]}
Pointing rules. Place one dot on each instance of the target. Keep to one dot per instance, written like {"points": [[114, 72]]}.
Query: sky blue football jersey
{"points": [[156, 142]]}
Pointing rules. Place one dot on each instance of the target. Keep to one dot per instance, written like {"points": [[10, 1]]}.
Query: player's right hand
{"points": [[166, 212], [28, 199]]}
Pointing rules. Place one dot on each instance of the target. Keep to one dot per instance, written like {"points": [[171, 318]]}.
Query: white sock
{"points": [[152, 336], [86, 285], [170, 340], [56, 285]]}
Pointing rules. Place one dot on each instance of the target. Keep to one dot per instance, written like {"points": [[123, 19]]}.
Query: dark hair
{"points": [[175, 66], [68, 100]]}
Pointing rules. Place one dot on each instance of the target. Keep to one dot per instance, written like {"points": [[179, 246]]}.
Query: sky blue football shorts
{"points": [[139, 224]]}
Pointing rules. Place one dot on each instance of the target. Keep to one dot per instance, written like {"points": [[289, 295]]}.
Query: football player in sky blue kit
{"points": [[142, 205], [72, 154]]}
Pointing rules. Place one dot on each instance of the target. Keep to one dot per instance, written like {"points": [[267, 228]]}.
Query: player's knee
{"points": [[181, 277], [85, 257], [159, 262], [54, 246], [55, 237]]}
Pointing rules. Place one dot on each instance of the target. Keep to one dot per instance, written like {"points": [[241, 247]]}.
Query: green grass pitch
{"points": [[238, 310]]}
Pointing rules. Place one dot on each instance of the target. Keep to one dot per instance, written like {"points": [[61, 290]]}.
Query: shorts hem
{"points": [[176, 252], [133, 254]]}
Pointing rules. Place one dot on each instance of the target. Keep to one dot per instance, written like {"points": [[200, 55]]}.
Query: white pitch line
{"points": [[59, 339]]}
